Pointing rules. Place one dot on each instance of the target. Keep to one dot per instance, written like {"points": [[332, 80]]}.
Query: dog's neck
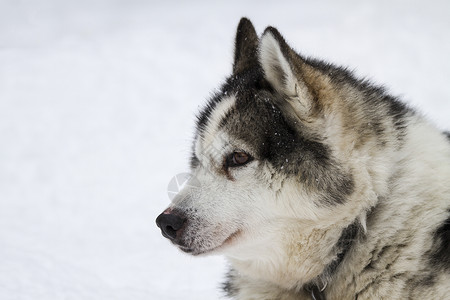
{"points": [[301, 264], [317, 287]]}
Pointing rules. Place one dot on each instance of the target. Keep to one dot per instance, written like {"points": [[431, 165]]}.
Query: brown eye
{"points": [[240, 158], [236, 159]]}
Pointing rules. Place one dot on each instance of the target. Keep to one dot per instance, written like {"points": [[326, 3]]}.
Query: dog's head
{"points": [[271, 156]]}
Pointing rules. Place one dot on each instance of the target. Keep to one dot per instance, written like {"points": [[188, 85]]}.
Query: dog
{"points": [[314, 184]]}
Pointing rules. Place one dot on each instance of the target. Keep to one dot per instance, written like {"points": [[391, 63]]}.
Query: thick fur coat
{"points": [[314, 184]]}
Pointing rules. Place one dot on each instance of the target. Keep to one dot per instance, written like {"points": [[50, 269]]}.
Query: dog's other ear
{"points": [[284, 69], [246, 46]]}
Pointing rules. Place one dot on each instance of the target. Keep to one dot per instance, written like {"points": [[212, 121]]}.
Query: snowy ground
{"points": [[97, 104]]}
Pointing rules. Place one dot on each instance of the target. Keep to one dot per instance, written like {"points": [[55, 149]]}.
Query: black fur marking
{"points": [[315, 292], [440, 257], [228, 286], [251, 78], [447, 133], [398, 111], [344, 244], [194, 162]]}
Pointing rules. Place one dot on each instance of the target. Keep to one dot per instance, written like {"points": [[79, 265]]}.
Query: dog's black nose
{"points": [[169, 224]]}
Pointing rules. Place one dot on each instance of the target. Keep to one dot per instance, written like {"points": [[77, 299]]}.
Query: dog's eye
{"points": [[240, 158], [236, 159]]}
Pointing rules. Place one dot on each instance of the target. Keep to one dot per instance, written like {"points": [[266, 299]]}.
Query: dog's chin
{"points": [[196, 251]]}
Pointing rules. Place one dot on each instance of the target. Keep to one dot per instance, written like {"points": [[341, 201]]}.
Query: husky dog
{"points": [[314, 184]]}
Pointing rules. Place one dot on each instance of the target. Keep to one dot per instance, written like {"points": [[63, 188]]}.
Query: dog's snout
{"points": [[169, 224]]}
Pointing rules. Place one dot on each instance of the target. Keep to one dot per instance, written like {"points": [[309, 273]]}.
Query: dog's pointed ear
{"points": [[246, 46], [284, 69]]}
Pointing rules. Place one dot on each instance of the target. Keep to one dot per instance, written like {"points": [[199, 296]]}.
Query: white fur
{"points": [[212, 142]]}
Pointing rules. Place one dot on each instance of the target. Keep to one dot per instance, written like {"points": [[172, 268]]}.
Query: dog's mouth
{"points": [[199, 250]]}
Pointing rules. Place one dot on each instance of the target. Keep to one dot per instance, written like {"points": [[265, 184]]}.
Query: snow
{"points": [[97, 105]]}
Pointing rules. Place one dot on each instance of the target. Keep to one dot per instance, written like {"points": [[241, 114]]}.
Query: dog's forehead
{"points": [[219, 103], [245, 118], [211, 134], [218, 114], [241, 115]]}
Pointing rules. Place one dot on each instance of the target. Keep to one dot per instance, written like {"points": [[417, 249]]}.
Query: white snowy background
{"points": [[97, 105]]}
